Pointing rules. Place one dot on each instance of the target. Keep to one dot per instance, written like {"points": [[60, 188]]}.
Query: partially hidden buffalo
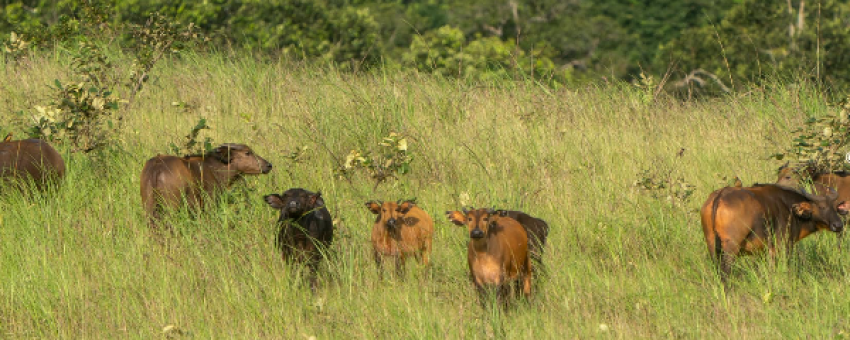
{"points": [[167, 180], [401, 230], [536, 229], [747, 219], [306, 228], [30, 159], [820, 183], [497, 251]]}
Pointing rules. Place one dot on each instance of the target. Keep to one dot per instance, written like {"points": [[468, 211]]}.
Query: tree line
{"points": [[685, 45]]}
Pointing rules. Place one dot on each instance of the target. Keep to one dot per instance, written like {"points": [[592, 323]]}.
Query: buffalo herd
{"points": [[502, 243], [504, 247]]}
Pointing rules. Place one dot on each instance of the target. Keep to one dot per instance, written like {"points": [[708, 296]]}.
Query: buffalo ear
{"points": [[802, 210], [843, 208], [316, 200], [374, 207], [274, 200], [405, 206], [456, 217], [222, 153]]}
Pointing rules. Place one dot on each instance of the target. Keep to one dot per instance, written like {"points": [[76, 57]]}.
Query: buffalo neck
{"points": [[215, 173]]}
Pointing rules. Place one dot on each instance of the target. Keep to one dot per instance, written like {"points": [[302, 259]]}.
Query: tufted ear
{"points": [[315, 200], [405, 206], [456, 217], [274, 200], [802, 210], [374, 206]]}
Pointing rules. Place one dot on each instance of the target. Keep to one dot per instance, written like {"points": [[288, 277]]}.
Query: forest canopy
{"points": [[708, 45]]}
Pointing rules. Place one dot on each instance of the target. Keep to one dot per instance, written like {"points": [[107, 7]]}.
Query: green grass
{"points": [[80, 262]]}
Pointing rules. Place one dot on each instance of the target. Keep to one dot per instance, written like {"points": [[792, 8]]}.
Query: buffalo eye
{"points": [[248, 153]]}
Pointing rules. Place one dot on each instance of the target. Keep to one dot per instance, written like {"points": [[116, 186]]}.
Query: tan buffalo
{"points": [[401, 230], [167, 180]]}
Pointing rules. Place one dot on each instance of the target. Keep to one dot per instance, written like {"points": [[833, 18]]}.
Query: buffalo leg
{"points": [[727, 257], [399, 266], [379, 263]]}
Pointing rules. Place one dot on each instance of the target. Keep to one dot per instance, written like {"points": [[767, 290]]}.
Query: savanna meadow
{"points": [[615, 122]]}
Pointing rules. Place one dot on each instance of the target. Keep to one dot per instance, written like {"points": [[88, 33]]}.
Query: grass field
{"points": [[81, 262]]}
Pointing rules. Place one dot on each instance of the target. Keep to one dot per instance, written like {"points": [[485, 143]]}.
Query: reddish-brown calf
{"points": [[401, 230], [497, 251]]}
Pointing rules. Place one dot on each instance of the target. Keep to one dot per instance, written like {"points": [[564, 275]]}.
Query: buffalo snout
{"points": [[267, 168], [476, 233]]}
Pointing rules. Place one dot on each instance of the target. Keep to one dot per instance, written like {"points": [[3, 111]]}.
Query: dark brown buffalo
{"points": [[306, 228], [401, 230], [167, 180], [537, 230], [30, 159], [745, 220], [497, 251], [820, 183]]}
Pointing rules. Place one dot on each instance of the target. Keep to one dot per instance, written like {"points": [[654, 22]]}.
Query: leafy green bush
{"points": [[82, 116], [821, 144], [391, 159], [192, 145], [15, 48], [446, 52]]}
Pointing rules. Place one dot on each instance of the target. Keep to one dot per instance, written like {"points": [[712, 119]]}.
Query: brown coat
{"points": [[165, 179], [401, 230], [497, 251], [30, 159], [537, 229], [745, 220], [821, 182]]}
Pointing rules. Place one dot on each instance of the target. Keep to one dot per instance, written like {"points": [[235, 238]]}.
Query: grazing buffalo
{"points": [[167, 180], [497, 251], [736, 220], [820, 183], [536, 229], [401, 230], [306, 228], [30, 159]]}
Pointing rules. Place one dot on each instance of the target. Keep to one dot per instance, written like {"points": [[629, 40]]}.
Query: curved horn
{"points": [[465, 210], [832, 195]]}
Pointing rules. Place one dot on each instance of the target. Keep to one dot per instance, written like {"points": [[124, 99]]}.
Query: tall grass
{"points": [[80, 262]]}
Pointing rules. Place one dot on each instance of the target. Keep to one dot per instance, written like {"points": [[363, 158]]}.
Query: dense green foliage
{"points": [[716, 45]]}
